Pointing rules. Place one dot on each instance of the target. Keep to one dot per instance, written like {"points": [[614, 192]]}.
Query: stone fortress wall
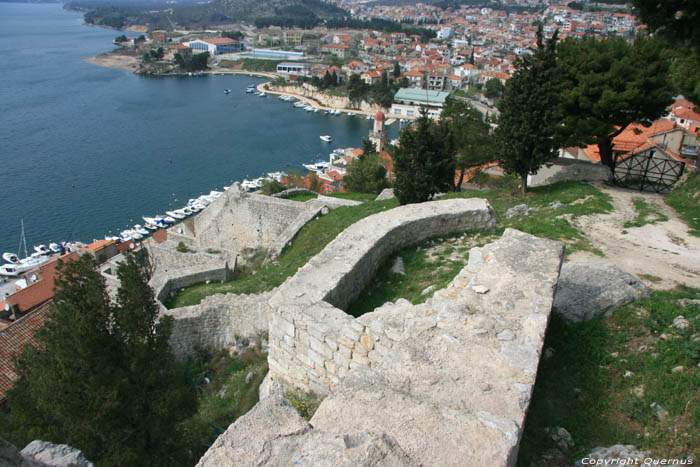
{"points": [[446, 382], [313, 342]]}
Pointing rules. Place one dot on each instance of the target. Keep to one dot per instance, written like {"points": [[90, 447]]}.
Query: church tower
{"points": [[377, 135]]}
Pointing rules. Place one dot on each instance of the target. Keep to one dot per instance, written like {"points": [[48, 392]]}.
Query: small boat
{"points": [[151, 226], [350, 114], [138, 228], [319, 166], [250, 90], [263, 94], [174, 215], [300, 104], [326, 138], [56, 247], [42, 250], [368, 117], [111, 238], [326, 111], [10, 258], [125, 236], [227, 91], [169, 219], [309, 108], [150, 220], [215, 194]]}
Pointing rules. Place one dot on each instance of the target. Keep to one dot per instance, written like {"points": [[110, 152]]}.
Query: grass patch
{"points": [[433, 262], [312, 238], [543, 222], [646, 214], [685, 199], [302, 197], [650, 277], [226, 397], [597, 405], [578, 199]]}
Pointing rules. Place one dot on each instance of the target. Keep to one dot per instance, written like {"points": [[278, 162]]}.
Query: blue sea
{"points": [[85, 151]]}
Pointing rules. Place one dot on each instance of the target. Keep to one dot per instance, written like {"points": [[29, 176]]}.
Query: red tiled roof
{"points": [[40, 291], [12, 341], [98, 245]]}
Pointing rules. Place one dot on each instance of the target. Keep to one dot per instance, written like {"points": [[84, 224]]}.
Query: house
{"points": [[293, 38], [293, 69], [13, 338], [415, 78], [101, 250], [339, 50], [371, 77]]}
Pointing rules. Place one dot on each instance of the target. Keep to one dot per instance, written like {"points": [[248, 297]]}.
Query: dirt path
{"points": [[665, 250]]}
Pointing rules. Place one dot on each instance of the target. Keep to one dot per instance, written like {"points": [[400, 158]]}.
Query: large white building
{"points": [[409, 102], [215, 46]]}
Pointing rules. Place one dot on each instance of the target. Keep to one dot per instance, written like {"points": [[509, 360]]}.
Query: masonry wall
{"points": [[313, 342], [218, 322], [239, 220], [569, 169]]}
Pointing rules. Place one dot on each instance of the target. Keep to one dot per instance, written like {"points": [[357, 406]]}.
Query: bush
{"points": [[306, 403], [182, 248], [270, 187]]}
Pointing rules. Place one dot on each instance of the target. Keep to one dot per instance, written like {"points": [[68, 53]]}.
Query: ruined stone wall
{"points": [[447, 382], [239, 220], [217, 322], [569, 169], [166, 283], [313, 343]]}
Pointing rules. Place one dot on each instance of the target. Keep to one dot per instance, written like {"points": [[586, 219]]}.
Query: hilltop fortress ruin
{"points": [[445, 382]]}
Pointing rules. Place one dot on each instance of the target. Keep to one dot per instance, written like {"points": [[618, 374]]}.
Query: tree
{"points": [[423, 161], [607, 85], [494, 88], [101, 376], [676, 21], [470, 133], [357, 89], [397, 70], [366, 174], [120, 39], [528, 121]]}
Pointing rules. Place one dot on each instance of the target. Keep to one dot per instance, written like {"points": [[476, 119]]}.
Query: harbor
{"points": [[133, 146]]}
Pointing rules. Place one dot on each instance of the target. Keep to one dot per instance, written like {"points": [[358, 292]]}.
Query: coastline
{"points": [[113, 60]]}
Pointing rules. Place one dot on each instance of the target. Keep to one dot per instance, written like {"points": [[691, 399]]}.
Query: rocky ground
{"points": [[663, 250], [113, 60]]}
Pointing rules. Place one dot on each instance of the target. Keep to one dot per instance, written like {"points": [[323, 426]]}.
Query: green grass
{"points": [[302, 197], [306, 403], [685, 199], [226, 397], [312, 238], [650, 277], [544, 222], [433, 262], [646, 214], [596, 404]]}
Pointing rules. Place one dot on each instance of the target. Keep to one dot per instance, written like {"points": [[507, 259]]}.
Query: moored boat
{"points": [[326, 138]]}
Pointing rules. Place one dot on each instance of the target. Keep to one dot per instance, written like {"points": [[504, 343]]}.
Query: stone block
{"points": [[320, 348]]}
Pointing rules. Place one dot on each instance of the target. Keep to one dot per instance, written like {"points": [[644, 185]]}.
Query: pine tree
{"points": [[101, 376], [472, 141], [423, 161], [607, 85], [528, 121]]}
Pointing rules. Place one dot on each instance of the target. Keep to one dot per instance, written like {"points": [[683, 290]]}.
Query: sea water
{"points": [[85, 151]]}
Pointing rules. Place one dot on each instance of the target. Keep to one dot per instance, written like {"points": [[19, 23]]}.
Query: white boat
{"points": [[150, 220], [111, 238], [24, 265], [227, 91], [337, 112], [151, 226], [56, 248], [350, 114], [318, 166], [250, 90], [263, 94], [174, 215], [138, 228], [326, 138], [309, 108], [42, 249], [10, 258], [215, 194], [184, 211], [125, 236], [368, 117], [300, 104], [169, 219]]}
